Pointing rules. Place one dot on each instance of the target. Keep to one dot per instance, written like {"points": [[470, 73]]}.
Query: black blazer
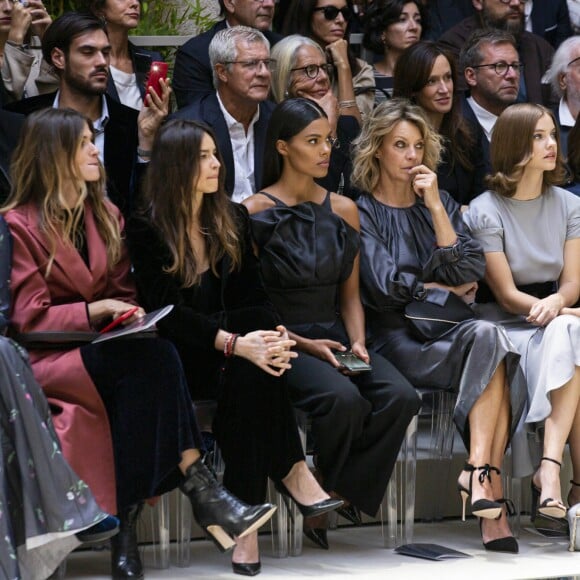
{"points": [[564, 131], [534, 51], [142, 59], [10, 126], [551, 20], [192, 75], [477, 131], [207, 110], [121, 140]]}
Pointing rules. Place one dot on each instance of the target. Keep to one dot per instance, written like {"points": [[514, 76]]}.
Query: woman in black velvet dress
{"points": [[308, 245], [192, 248], [413, 240]]}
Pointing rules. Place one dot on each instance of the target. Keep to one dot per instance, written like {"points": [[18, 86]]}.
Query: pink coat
{"points": [[59, 302]]}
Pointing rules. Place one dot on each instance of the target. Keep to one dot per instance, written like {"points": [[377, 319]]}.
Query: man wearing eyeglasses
{"points": [[192, 75], [238, 110], [534, 52], [564, 76]]}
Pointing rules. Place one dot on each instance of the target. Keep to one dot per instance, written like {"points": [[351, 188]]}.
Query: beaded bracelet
{"points": [[229, 345], [346, 104]]}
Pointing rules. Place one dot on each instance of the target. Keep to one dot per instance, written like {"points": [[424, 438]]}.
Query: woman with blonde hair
{"points": [[414, 247], [303, 71], [530, 232], [122, 409]]}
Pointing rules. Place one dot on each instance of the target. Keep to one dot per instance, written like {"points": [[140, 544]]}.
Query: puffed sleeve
{"points": [[483, 221], [5, 265], [573, 215], [383, 287], [460, 263]]}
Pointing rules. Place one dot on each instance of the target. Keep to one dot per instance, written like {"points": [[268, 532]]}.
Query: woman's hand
{"points": [[322, 348], [155, 109], [545, 310], [329, 104], [111, 308], [267, 349], [424, 182], [338, 51], [21, 18], [41, 19], [571, 311], [361, 351]]}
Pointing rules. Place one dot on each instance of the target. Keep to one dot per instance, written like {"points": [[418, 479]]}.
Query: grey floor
{"points": [[359, 552]]}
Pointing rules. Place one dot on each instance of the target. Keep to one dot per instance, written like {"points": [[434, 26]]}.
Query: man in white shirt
{"points": [[489, 60], [238, 111], [564, 76]]}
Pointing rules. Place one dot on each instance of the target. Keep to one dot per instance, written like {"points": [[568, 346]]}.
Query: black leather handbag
{"points": [[436, 312]]}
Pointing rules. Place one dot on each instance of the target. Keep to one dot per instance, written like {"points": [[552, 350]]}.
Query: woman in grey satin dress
{"points": [[530, 233], [413, 241]]}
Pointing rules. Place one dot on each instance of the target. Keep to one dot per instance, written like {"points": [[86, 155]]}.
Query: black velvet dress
{"points": [[255, 425], [398, 254], [358, 422]]}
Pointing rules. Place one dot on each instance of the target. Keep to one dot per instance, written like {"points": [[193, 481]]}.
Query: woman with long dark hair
{"points": [[308, 247], [192, 248], [427, 75], [123, 412]]}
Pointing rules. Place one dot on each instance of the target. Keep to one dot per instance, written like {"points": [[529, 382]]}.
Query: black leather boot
{"points": [[125, 559], [217, 511]]}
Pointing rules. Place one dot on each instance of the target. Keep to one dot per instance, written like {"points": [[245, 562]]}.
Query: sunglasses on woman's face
{"points": [[331, 12]]}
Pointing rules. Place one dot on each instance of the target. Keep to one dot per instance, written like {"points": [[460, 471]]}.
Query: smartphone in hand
{"points": [[120, 319], [157, 72], [349, 361]]}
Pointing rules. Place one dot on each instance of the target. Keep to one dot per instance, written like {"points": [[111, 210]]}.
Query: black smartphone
{"points": [[351, 362]]}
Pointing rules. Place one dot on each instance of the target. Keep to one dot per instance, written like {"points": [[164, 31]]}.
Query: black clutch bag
{"points": [[436, 312]]}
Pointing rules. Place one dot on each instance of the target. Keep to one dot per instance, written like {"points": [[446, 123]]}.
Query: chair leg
{"points": [[184, 517], [160, 519]]}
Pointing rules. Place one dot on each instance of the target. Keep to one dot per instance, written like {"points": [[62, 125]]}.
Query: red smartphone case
{"points": [[157, 72]]}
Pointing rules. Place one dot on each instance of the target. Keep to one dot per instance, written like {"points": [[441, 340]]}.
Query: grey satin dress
{"points": [[398, 255]]}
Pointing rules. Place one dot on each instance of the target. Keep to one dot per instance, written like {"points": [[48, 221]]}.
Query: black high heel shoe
{"points": [[482, 508], [350, 513], [550, 507], [247, 569], [508, 543], [221, 514], [309, 511], [318, 536]]}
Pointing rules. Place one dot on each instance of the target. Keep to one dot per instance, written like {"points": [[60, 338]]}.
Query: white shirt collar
{"points": [[566, 118], [230, 121], [485, 118]]}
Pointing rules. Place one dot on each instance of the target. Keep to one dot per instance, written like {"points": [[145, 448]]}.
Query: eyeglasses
{"points": [[501, 68], [254, 65], [331, 12], [313, 70]]}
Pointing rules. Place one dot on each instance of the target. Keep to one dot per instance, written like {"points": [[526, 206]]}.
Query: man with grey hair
{"points": [[564, 76], [491, 67], [238, 110], [534, 51], [192, 72]]}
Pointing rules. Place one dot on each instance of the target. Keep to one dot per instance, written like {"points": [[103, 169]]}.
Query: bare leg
{"points": [[483, 425], [495, 529], [188, 457], [246, 550], [303, 486], [574, 442], [558, 426]]}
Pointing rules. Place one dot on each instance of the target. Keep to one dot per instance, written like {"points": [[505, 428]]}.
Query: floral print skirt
{"points": [[43, 503]]}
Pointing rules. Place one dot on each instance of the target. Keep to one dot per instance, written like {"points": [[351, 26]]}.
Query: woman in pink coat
{"points": [[121, 407]]}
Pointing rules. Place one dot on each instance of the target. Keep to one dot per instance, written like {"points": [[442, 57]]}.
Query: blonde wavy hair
{"points": [[43, 163], [512, 147], [376, 126]]}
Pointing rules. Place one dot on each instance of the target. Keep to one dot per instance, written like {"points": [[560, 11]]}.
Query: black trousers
{"points": [[358, 424], [152, 419]]}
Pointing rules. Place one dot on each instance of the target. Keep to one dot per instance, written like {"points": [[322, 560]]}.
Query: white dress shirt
{"points": [[485, 118]]}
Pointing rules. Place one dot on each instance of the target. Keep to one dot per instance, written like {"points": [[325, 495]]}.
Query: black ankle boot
{"points": [[125, 560], [217, 511]]}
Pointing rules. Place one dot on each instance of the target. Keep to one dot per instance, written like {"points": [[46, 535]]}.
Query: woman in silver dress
{"points": [[530, 233]]}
